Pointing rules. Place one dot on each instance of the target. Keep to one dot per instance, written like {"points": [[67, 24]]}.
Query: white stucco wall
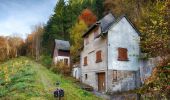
{"points": [[123, 35], [58, 58], [77, 72], [93, 68]]}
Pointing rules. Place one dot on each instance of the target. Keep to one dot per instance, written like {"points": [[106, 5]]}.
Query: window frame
{"points": [[85, 61], [98, 56], [122, 54]]}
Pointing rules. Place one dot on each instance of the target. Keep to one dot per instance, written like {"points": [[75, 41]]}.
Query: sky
{"points": [[17, 17]]}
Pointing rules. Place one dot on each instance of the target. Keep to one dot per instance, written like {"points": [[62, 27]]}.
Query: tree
{"points": [[64, 18], [4, 48], [88, 17], [34, 41], [76, 39], [99, 8], [15, 44], [37, 32], [155, 35]]}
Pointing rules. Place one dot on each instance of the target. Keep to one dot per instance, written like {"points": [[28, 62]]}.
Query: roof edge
{"points": [[124, 16], [90, 29]]}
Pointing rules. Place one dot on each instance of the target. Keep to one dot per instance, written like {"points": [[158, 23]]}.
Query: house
{"points": [[109, 59], [61, 52]]}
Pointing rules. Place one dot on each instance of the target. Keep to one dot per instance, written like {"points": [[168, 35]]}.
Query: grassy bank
{"points": [[23, 79]]}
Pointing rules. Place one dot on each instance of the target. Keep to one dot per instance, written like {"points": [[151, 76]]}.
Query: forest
{"points": [[71, 18]]}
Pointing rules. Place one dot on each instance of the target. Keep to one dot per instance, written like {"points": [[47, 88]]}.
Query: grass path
{"points": [[72, 91], [30, 80], [46, 81]]}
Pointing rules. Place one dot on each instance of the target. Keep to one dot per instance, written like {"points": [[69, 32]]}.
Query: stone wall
{"points": [[126, 80], [146, 67]]}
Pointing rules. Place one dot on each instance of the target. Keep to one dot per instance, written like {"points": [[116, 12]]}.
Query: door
{"points": [[101, 81]]}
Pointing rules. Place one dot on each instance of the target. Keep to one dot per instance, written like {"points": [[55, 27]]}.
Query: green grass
{"points": [[24, 79]]}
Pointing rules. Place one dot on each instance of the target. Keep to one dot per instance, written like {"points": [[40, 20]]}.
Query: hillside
{"points": [[22, 78]]}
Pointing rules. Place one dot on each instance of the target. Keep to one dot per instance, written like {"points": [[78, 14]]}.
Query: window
{"points": [[86, 76], [65, 61], [114, 75], [98, 56], [86, 40], [85, 61], [122, 54]]}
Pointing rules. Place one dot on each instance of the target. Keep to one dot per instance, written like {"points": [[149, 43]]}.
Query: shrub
{"points": [[46, 60], [61, 68]]}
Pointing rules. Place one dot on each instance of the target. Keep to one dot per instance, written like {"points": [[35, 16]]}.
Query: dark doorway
{"points": [[101, 82]]}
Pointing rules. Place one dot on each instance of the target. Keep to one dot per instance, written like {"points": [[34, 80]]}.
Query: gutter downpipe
{"points": [[107, 60]]}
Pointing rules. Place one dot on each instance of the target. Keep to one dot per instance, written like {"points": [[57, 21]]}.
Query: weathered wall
{"points": [[93, 68], [146, 67], [76, 72], [122, 34], [126, 81]]}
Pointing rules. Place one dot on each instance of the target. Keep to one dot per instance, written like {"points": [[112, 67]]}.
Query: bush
{"points": [[61, 68], [46, 60]]}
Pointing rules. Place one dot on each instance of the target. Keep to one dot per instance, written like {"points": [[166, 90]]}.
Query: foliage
{"points": [[57, 26], [61, 68], [76, 39], [158, 82], [88, 17], [155, 35], [46, 60], [34, 40], [10, 47], [85, 19], [64, 18]]}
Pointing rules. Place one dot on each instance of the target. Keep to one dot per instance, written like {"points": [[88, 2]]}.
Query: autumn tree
{"points": [[29, 45], [88, 17], [10, 47], [37, 39], [76, 39], [15, 44], [4, 48], [155, 35], [155, 42], [34, 41]]}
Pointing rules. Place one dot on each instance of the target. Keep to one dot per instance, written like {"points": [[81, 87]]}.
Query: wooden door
{"points": [[101, 82]]}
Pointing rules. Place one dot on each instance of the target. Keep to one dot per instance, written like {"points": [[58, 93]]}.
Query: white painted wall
{"points": [[122, 34], [58, 58], [93, 68], [77, 72]]}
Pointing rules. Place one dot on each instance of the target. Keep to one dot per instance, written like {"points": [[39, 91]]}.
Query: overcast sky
{"points": [[18, 16]]}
